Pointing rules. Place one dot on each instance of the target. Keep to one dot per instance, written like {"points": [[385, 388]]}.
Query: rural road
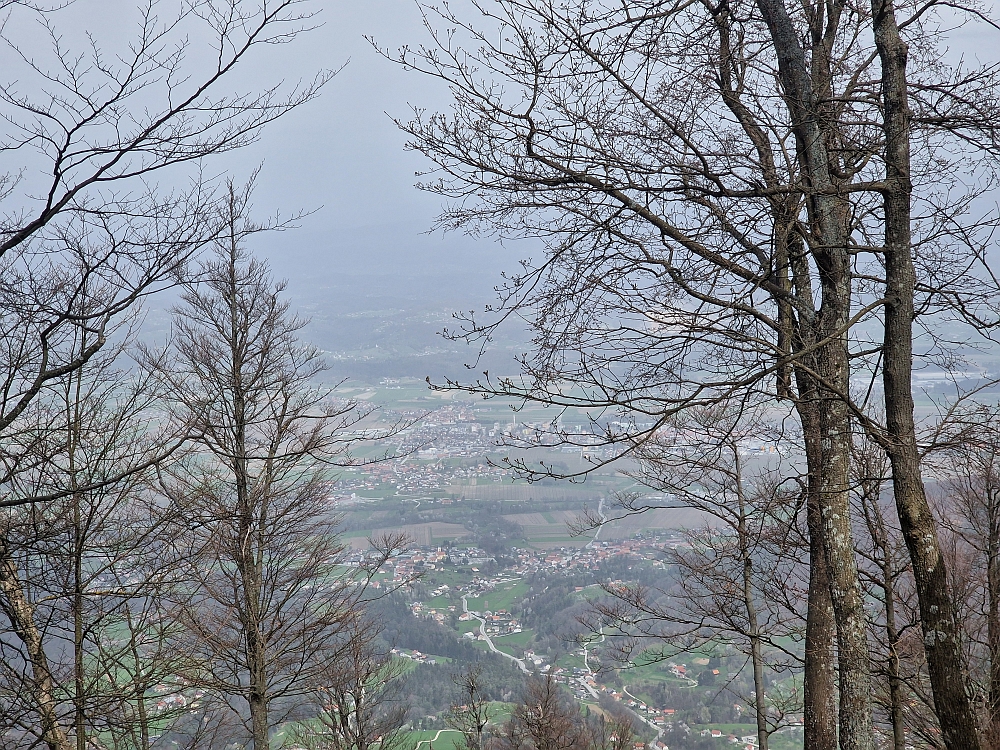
{"points": [[586, 651], [643, 719], [431, 742], [604, 520], [588, 687], [482, 630]]}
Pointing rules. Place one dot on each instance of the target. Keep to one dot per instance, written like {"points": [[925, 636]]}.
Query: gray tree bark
{"points": [[941, 639], [21, 614], [827, 216]]}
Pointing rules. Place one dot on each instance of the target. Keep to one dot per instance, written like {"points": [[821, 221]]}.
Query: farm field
{"points": [[421, 534], [542, 530], [661, 518], [446, 739], [503, 597], [513, 644]]}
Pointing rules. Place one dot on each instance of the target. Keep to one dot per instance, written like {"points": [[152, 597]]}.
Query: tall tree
{"points": [[272, 602], [726, 193], [737, 578], [968, 469], [85, 600], [942, 640], [888, 576]]}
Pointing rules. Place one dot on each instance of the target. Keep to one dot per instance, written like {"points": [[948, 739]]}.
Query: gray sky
{"points": [[343, 152], [362, 265], [366, 246], [340, 155]]}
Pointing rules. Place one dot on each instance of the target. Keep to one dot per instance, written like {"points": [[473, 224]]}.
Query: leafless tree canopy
{"points": [[86, 229], [271, 605], [736, 199], [168, 559]]}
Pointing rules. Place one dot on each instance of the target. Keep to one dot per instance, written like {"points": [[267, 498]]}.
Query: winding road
{"points": [[489, 642], [432, 741], [586, 651], [643, 719]]}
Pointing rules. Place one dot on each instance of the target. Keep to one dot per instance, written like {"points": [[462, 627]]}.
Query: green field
{"points": [[570, 661], [513, 644], [503, 597], [439, 602], [448, 739], [514, 639]]}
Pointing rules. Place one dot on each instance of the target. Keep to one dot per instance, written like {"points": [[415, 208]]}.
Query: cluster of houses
{"points": [[414, 561], [407, 565], [469, 556], [452, 430], [414, 655], [500, 622], [170, 700], [480, 586], [419, 609], [595, 555], [536, 659], [660, 717]]}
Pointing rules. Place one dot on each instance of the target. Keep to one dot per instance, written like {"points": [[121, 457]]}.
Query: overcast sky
{"points": [[344, 153], [342, 156]]}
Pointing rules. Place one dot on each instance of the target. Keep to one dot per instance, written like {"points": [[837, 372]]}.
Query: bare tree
{"points": [[544, 719], [738, 578], [472, 714], [887, 570], [358, 704], [96, 128], [968, 463], [616, 733], [726, 192], [85, 600], [271, 600]]}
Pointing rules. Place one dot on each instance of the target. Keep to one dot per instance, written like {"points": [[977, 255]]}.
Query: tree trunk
{"points": [[258, 720], [820, 679], [247, 551], [944, 657], [753, 627], [79, 688], [834, 589], [828, 238], [755, 655], [853, 657], [256, 662], [993, 620], [820, 702], [892, 637], [871, 490], [21, 614]]}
